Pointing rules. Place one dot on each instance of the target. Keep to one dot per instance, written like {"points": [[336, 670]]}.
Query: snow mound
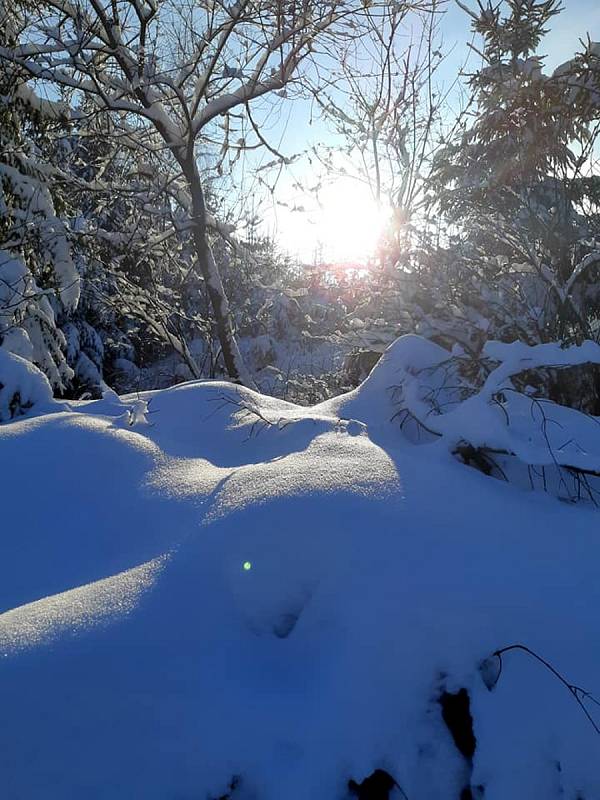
{"points": [[218, 594], [476, 408]]}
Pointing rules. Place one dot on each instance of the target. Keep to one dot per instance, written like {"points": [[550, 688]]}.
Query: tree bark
{"points": [[234, 363]]}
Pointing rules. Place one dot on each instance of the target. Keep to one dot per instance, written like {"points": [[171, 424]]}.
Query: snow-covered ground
{"points": [[205, 588]]}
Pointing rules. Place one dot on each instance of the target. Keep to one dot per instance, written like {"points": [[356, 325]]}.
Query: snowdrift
{"points": [[208, 593]]}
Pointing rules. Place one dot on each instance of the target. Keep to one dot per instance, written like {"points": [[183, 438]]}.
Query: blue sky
{"points": [[578, 18]]}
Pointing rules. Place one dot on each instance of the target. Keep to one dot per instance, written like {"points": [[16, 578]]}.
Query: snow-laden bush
{"points": [[22, 386], [494, 411], [28, 322]]}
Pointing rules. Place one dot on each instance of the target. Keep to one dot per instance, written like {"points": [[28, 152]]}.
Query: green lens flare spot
{"points": [[247, 566]]}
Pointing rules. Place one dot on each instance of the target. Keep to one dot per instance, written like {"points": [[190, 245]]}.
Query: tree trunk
{"points": [[234, 363]]}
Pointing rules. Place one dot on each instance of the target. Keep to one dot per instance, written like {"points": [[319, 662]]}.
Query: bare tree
{"points": [[386, 107]]}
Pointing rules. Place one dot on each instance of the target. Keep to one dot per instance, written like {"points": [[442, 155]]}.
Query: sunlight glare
{"points": [[350, 222]]}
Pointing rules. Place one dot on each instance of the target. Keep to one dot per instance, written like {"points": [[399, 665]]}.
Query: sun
{"points": [[341, 223], [349, 222]]}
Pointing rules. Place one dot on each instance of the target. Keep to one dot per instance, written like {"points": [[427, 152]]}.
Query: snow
{"points": [[46, 619], [425, 382], [213, 583], [22, 387]]}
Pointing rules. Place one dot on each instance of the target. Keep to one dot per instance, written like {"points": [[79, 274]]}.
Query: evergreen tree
{"points": [[519, 189]]}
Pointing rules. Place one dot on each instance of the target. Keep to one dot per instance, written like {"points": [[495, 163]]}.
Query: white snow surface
{"points": [[203, 582]]}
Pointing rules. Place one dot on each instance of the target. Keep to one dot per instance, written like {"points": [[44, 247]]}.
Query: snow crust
{"points": [[203, 582]]}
